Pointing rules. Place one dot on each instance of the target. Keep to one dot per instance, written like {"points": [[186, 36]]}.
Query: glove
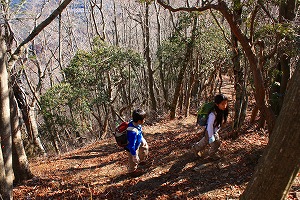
{"points": [[211, 139], [136, 159]]}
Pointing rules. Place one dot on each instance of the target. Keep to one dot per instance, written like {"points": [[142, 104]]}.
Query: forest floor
{"points": [[98, 170]]}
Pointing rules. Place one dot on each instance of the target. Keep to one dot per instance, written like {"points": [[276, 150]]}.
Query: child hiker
{"points": [[137, 148], [216, 118]]}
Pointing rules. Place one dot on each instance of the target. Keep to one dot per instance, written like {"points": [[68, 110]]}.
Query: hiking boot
{"points": [[194, 149], [203, 154], [136, 173], [143, 163]]}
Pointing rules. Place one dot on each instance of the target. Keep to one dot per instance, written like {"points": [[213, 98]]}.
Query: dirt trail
{"points": [[98, 170]]}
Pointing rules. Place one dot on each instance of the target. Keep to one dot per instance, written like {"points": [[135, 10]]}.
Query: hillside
{"points": [[98, 171]]}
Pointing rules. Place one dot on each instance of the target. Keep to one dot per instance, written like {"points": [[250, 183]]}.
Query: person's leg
{"points": [[200, 146], [214, 147], [132, 166], [143, 150]]}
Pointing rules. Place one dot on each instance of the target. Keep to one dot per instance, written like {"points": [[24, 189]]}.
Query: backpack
{"points": [[120, 134], [203, 112]]}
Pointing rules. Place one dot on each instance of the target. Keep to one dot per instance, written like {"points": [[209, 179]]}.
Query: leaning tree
{"points": [[280, 162]]}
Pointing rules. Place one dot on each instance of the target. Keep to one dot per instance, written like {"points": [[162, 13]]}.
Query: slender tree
{"points": [[116, 31], [148, 58], [240, 105], [187, 59]]}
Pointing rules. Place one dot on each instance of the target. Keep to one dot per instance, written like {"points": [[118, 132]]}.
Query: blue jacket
{"points": [[134, 136]]}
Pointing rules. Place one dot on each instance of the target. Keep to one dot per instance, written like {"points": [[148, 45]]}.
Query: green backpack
{"points": [[203, 112]]}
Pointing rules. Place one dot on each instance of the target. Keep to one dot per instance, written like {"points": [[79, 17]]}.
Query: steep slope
{"points": [[98, 171]]}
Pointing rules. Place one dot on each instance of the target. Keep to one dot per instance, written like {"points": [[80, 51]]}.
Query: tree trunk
{"points": [[55, 141], [35, 132], [280, 162], [286, 14], [254, 114], [239, 78], [189, 94], [164, 83], [181, 97], [159, 57], [19, 94], [188, 56], [28, 114], [105, 123], [116, 35], [60, 48], [148, 59], [7, 175], [20, 163], [177, 92]]}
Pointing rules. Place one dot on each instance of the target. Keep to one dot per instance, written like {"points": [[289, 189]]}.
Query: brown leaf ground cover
{"points": [[98, 170]]}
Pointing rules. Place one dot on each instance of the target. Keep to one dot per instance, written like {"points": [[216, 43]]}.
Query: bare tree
{"points": [[36, 31], [7, 174], [93, 5], [116, 31]]}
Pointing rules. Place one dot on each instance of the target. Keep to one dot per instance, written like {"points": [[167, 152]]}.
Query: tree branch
{"points": [[254, 13], [190, 9], [221, 28], [36, 31], [266, 11]]}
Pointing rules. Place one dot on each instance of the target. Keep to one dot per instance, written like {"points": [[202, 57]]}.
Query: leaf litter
{"points": [[98, 170]]}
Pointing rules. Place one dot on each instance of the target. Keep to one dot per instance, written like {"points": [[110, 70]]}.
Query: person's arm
{"points": [[210, 127]]}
